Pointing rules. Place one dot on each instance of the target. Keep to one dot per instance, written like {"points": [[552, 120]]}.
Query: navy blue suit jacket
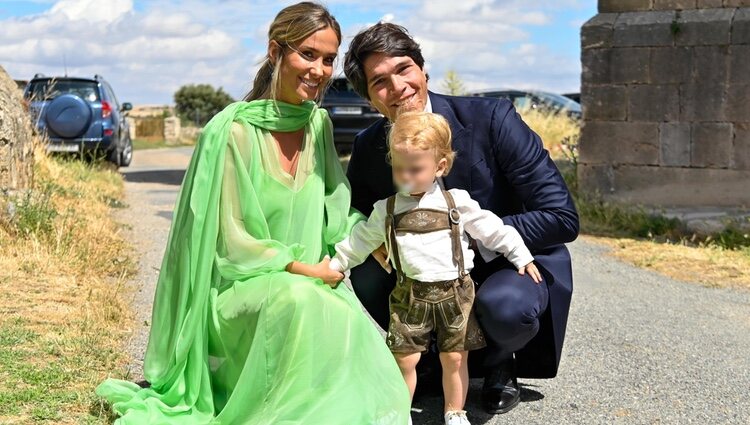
{"points": [[503, 165]]}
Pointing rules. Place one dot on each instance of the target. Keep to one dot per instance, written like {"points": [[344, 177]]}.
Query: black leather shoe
{"points": [[500, 393]]}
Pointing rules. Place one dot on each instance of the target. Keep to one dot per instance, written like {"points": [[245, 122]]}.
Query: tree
{"points": [[197, 103], [452, 84]]}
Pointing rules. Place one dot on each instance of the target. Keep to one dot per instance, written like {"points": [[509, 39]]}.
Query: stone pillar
{"points": [[666, 103], [171, 129], [16, 138], [132, 127]]}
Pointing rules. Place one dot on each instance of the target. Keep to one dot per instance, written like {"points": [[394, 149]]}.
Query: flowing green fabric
{"points": [[235, 339]]}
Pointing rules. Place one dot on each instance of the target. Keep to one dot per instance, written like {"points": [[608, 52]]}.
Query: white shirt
{"points": [[428, 257], [486, 253]]}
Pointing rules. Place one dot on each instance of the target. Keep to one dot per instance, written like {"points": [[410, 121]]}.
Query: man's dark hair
{"points": [[390, 39]]}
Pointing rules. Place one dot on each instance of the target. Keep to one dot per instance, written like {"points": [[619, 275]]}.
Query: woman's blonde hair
{"points": [[291, 26], [424, 131]]}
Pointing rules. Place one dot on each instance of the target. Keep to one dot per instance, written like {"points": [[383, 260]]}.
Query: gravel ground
{"points": [[641, 348]]}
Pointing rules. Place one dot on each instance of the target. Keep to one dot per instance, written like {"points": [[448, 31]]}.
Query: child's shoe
{"points": [[456, 417]]}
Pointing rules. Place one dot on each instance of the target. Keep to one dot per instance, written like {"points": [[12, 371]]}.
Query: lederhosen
{"points": [[416, 307]]}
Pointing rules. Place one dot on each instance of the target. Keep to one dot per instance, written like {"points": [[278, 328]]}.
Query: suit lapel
{"points": [[459, 176]]}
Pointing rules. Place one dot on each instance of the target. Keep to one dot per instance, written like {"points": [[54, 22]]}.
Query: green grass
{"points": [[599, 217], [63, 265], [40, 378]]}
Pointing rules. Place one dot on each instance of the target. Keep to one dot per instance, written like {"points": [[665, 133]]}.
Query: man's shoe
{"points": [[500, 393]]}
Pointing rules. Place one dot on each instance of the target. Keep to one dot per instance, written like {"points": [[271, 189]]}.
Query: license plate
{"points": [[63, 148], [347, 110]]}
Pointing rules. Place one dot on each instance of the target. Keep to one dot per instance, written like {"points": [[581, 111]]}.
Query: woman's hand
{"points": [[321, 271], [532, 271]]}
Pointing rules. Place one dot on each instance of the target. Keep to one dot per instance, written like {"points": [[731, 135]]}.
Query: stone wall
{"points": [[666, 102], [16, 138]]}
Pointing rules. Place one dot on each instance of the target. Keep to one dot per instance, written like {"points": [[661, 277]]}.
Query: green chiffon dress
{"points": [[235, 339]]}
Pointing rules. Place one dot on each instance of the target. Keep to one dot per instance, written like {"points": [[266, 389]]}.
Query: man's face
{"points": [[395, 83]]}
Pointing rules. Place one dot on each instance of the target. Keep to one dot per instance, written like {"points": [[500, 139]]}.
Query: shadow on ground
{"points": [[170, 177], [427, 408]]}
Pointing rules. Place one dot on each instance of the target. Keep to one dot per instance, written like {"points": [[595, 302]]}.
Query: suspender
{"points": [[453, 220]]}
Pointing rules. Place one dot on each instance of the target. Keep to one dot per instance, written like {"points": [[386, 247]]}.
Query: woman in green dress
{"points": [[249, 323]]}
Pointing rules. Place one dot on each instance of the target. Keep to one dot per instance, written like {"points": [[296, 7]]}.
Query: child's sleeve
{"points": [[490, 231], [364, 238]]}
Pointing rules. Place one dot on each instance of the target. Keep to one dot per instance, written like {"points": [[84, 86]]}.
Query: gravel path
{"points": [[640, 349]]}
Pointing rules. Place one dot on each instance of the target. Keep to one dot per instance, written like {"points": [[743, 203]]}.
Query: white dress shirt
{"points": [[428, 257]]}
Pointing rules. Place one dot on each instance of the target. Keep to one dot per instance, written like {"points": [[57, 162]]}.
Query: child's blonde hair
{"points": [[425, 131]]}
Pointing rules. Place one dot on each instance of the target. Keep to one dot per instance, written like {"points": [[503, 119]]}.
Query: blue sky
{"points": [[149, 48]]}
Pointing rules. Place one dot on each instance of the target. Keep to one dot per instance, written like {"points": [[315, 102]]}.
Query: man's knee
{"points": [[508, 305]]}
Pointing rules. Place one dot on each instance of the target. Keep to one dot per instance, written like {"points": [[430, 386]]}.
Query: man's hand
{"points": [[381, 254], [532, 271]]}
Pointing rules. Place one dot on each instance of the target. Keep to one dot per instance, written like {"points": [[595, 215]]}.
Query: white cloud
{"points": [[145, 55], [148, 52], [487, 42]]}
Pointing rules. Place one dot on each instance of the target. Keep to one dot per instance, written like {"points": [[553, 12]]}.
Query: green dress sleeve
{"points": [[340, 215], [244, 249]]}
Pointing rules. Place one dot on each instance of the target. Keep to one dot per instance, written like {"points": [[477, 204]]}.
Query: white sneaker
{"points": [[456, 417]]}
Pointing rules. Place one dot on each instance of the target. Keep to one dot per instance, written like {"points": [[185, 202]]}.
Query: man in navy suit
{"points": [[503, 165]]}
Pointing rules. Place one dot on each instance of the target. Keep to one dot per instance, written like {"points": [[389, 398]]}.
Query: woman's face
{"points": [[306, 67]]}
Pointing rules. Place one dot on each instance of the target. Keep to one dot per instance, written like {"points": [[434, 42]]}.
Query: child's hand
{"points": [[532, 271]]}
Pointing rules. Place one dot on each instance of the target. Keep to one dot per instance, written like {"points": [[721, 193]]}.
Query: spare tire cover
{"points": [[68, 116]]}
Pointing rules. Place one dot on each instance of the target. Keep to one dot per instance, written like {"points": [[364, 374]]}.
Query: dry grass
{"points": [[559, 132], [63, 265], [708, 265], [639, 237]]}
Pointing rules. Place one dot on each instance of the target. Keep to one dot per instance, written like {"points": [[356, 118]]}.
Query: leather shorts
{"points": [[446, 307]]}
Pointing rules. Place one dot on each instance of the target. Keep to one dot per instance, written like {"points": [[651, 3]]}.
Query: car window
{"points": [[111, 94], [522, 102], [50, 89], [560, 102], [341, 87]]}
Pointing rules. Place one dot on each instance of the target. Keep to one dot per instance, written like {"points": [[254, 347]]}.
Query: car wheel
{"points": [[127, 153], [115, 156]]}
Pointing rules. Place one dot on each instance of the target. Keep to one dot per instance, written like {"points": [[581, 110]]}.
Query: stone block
{"points": [[739, 64], [624, 5], [605, 103], [741, 26], [711, 145], [671, 65], [674, 144], [637, 29], [703, 101], [711, 64], [596, 179], [654, 103], [742, 146], [597, 32], [619, 142], [736, 3], [738, 103], [680, 187], [616, 66], [708, 4], [704, 27], [674, 4]]}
